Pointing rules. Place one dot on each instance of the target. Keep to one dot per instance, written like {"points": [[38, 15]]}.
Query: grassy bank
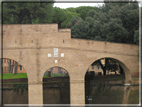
{"points": [[24, 75], [12, 76]]}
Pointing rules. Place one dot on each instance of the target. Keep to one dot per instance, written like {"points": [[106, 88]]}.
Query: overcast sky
{"points": [[66, 3]]}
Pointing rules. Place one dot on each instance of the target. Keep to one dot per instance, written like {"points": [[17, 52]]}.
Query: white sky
{"points": [[63, 3], [67, 5]]}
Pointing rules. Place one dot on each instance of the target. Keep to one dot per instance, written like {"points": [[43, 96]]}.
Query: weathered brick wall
{"points": [[29, 45]]}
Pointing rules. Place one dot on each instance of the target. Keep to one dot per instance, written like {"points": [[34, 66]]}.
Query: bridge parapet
{"points": [[105, 47], [27, 29], [48, 35]]}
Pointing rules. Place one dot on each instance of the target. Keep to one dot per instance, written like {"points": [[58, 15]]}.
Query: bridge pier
{"points": [[77, 92], [35, 93]]}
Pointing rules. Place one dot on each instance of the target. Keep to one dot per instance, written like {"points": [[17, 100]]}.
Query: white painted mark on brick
{"points": [[56, 61], [49, 55], [62, 54]]}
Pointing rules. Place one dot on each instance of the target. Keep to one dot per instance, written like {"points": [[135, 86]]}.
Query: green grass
{"points": [[23, 75], [12, 76], [53, 75]]}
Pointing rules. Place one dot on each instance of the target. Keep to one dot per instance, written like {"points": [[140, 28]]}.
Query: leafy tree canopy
{"points": [[113, 22], [62, 16], [26, 12]]}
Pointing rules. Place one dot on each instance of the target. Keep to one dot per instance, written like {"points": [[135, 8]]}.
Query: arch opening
{"points": [[12, 66], [56, 86], [105, 66], [15, 80], [101, 79]]}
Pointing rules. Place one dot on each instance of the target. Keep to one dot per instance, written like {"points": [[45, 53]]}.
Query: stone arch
{"points": [[44, 69], [57, 66], [62, 83], [121, 62], [9, 95], [20, 63], [127, 72]]}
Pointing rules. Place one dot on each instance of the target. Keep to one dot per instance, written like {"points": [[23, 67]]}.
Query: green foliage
{"points": [[26, 12], [69, 16], [59, 16], [83, 10], [80, 30], [71, 9], [113, 31], [92, 13], [74, 21], [56, 74], [136, 37], [113, 22], [21, 87], [129, 14], [62, 16]]}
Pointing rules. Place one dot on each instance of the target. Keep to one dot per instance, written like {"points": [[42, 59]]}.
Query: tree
{"points": [[80, 29], [59, 16], [129, 14], [71, 9], [136, 37], [15, 68], [92, 13], [74, 20], [109, 65], [83, 10], [9, 63], [70, 15], [113, 31], [113, 22], [62, 17], [10, 67], [23, 12]]}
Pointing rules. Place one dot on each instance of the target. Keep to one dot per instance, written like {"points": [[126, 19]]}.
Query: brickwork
{"points": [[29, 45]]}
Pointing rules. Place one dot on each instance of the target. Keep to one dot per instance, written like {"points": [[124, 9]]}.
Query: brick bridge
{"points": [[32, 45]]}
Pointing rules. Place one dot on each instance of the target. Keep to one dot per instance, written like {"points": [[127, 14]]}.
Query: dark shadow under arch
{"points": [[95, 85], [56, 86], [15, 80], [122, 65]]}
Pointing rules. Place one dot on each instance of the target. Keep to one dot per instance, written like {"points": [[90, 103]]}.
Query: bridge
{"points": [[38, 47]]}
